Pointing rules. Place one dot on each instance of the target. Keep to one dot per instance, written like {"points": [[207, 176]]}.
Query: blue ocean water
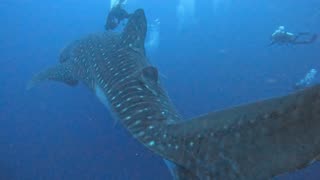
{"points": [[220, 59]]}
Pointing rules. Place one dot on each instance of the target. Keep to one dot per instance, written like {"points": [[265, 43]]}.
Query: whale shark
{"points": [[259, 140]]}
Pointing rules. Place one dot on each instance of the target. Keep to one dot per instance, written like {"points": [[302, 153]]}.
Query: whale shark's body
{"points": [[255, 141]]}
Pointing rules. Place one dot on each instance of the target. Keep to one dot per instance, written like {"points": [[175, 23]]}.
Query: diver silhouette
{"points": [[116, 15], [282, 37]]}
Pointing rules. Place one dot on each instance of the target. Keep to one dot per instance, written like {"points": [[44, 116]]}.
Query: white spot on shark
{"points": [[151, 143], [191, 143], [101, 96], [124, 110], [165, 136], [141, 133]]}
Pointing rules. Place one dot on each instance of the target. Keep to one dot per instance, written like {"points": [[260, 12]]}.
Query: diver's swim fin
{"points": [[312, 38], [304, 33]]}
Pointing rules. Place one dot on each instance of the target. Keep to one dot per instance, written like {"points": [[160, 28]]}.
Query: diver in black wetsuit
{"points": [[282, 37], [116, 15]]}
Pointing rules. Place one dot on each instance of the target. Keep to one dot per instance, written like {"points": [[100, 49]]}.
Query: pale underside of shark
{"points": [[254, 141]]}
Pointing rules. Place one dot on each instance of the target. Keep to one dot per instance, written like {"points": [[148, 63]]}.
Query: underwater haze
{"points": [[211, 54]]}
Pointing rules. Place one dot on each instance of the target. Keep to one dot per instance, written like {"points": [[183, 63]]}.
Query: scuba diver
{"points": [[116, 15], [282, 37]]}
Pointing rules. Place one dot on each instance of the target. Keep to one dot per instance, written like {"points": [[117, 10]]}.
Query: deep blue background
{"points": [[58, 132]]}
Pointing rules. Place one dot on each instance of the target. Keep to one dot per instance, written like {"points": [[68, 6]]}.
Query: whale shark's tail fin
{"points": [[134, 34], [255, 141], [57, 73]]}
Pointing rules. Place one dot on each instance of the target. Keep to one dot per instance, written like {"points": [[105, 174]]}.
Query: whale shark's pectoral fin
{"points": [[60, 73], [135, 32]]}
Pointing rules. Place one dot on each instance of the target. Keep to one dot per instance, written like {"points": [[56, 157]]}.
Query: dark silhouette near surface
{"points": [[116, 16]]}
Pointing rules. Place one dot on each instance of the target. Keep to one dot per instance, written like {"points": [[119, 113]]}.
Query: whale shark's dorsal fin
{"points": [[149, 78], [149, 75], [135, 32]]}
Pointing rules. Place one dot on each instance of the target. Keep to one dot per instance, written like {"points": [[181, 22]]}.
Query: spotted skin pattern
{"points": [[254, 141]]}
